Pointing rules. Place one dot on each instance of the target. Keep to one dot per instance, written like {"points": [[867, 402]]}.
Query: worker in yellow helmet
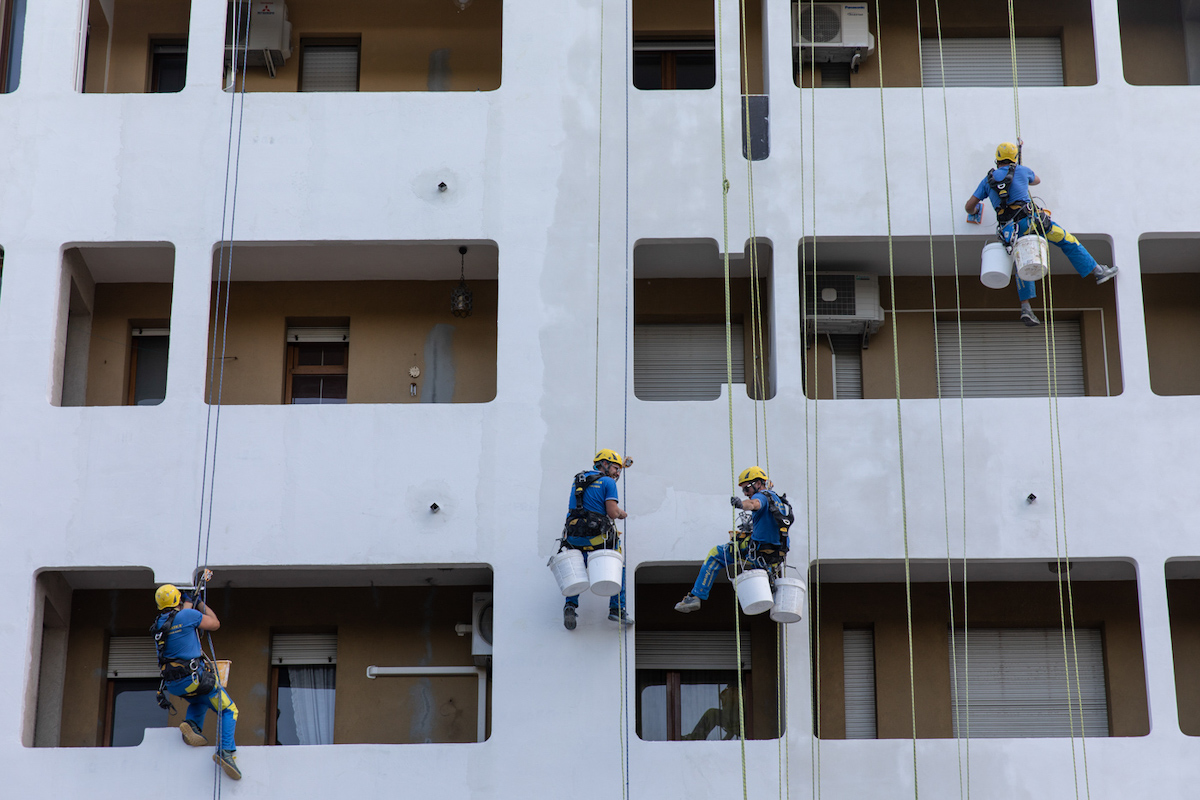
{"points": [[590, 515], [1007, 187], [188, 674]]}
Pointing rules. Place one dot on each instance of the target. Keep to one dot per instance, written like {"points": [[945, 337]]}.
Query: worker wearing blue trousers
{"points": [[187, 674], [1007, 187], [590, 514]]}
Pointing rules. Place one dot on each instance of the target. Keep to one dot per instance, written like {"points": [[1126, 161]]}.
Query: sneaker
{"points": [[1104, 273], [620, 616], [1028, 318], [192, 734], [688, 604], [228, 761], [569, 617]]}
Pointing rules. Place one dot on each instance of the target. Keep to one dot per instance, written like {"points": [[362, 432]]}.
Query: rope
{"points": [[622, 628], [899, 415], [599, 222]]}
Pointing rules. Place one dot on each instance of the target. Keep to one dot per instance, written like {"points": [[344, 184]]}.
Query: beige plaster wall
{"points": [[1153, 51], [1172, 303], [135, 24], [118, 308]]}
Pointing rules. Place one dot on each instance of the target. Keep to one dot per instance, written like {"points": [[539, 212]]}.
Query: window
{"points": [[303, 688], [684, 362], [988, 62], [12, 36], [1007, 359], [847, 366], [329, 65], [687, 686], [674, 63], [168, 68], [1022, 683], [131, 700], [148, 366], [858, 665], [317, 365]]}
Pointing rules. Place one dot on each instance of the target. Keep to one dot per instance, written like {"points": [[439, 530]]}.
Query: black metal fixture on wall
{"points": [[460, 298]]}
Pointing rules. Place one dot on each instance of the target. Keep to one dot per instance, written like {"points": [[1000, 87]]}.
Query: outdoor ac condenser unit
{"points": [[269, 40], [481, 628], [831, 32], [844, 302]]}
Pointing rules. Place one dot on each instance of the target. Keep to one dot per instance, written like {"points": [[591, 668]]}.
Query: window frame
{"points": [[293, 369], [674, 702], [278, 663], [668, 47], [352, 40], [152, 73], [158, 329]]}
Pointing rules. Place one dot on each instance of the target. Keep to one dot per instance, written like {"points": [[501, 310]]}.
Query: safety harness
{"points": [[783, 516], [1008, 210], [585, 523], [202, 675]]}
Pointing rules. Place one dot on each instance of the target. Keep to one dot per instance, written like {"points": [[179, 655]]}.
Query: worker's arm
{"points": [[210, 621], [1035, 180], [614, 510], [973, 204], [747, 504]]}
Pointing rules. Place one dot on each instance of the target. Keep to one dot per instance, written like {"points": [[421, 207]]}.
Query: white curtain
{"points": [[312, 703]]}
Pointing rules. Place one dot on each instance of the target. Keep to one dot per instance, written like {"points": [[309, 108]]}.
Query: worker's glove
{"points": [[188, 597], [976, 218], [736, 502]]}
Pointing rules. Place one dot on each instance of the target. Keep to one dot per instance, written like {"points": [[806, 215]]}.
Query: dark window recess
{"points": [[756, 120], [676, 705], [12, 35], [148, 370], [835, 76], [670, 64], [317, 372], [132, 709], [168, 72], [304, 704]]}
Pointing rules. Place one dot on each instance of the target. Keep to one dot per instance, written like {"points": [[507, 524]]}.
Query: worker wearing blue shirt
{"points": [[186, 673], [1007, 187], [590, 514]]}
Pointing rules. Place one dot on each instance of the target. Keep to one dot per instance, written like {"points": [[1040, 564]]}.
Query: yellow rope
{"points": [[599, 222]]}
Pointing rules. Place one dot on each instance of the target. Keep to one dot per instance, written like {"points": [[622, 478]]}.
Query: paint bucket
{"points": [[223, 672], [997, 266], [1032, 257], [570, 572], [789, 600], [754, 591], [604, 569]]}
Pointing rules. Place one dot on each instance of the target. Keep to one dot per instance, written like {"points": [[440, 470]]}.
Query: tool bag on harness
{"points": [[201, 673], [583, 523]]}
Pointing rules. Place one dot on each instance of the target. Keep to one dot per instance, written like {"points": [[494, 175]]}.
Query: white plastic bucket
{"points": [[570, 572], [754, 591], [997, 266], [1032, 257], [789, 600], [604, 569]]}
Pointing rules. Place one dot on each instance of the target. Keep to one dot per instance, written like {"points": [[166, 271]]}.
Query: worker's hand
{"points": [[976, 218], [736, 502]]}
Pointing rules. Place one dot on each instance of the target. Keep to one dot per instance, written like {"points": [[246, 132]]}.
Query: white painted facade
{"points": [[97, 487]]}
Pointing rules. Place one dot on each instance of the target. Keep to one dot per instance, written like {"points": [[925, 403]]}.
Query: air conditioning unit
{"points": [[481, 628], [268, 43], [831, 32], [844, 302]]}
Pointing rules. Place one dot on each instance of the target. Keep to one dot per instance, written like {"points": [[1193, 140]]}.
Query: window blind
{"points": [[988, 62], [858, 670], [291, 649], [1007, 359], [847, 366], [329, 68], [689, 650], [684, 362], [132, 657]]}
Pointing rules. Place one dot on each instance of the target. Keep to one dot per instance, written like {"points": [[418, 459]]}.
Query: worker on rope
{"points": [[760, 542], [1007, 186], [589, 526], [188, 674]]}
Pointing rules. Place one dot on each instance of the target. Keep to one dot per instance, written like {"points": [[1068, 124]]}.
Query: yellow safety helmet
{"points": [[1007, 151], [167, 596], [608, 455], [754, 473]]}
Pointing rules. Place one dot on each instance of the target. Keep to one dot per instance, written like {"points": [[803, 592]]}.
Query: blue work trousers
{"points": [[719, 558], [1061, 238], [617, 601], [218, 700]]}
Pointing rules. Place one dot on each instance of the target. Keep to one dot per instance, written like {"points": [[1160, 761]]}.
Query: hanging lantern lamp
{"points": [[460, 298]]}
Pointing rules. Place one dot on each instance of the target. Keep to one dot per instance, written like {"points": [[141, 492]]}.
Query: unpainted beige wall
{"points": [[896, 39], [702, 300], [118, 308], [697, 17], [381, 626], [397, 39], [389, 324], [1183, 599], [1153, 50], [1172, 303], [134, 25], [1111, 606]]}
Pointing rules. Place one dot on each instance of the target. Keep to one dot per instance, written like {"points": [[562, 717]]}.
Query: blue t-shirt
{"points": [[596, 496], [1018, 190], [183, 641], [763, 524]]}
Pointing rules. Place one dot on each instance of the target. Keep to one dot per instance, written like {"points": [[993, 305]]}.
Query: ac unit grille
{"points": [[842, 305], [820, 24]]}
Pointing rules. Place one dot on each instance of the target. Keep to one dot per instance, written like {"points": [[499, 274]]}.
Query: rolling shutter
{"points": [[690, 650], [1007, 359], [1018, 683], [858, 670], [329, 68], [847, 366], [292, 649], [988, 62], [684, 362], [132, 657]]}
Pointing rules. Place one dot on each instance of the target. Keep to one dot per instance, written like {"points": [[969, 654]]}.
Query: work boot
{"points": [[1104, 273], [569, 617], [1029, 319], [192, 734], [688, 604], [228, 761], [619, 615]]}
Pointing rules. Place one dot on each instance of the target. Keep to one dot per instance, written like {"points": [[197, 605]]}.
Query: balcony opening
{"points": [[133, 46], [314, 46], [848, 297], [1183, 592], [1160, 42], [12, 39], [1170, 274], [1005, 649], [114, 324], [356, 322], [364, 658], [687, 667], [679, 345], [1054, 43]]}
